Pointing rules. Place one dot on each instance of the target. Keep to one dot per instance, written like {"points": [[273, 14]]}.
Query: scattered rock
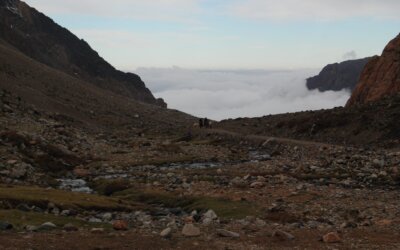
{"points": [[238, 182], [190, 230], [5, 226], [97, 230], [282, 235], [384, 223], [378, 163], [166, 233], [31, 228], [331, 237], [228, 234], [47, 226], [211, 215], [23, 207], [257, 184], [65, 213], [107, 216], [95, 220], [120, 225], [70, 227]]}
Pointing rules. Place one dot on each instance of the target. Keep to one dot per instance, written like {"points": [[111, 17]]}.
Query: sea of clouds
{"points": [[222, 94]]}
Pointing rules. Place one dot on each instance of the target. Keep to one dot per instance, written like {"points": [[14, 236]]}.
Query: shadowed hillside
{"points": [[38, 37]]}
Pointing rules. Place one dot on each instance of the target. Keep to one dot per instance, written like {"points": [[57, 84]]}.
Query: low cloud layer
{"points": [[238, 93], [351, 55]]}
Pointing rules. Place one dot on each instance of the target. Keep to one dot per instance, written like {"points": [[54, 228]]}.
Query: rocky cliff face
{"points": [[37, 36], [338, 76], [381, 76]]}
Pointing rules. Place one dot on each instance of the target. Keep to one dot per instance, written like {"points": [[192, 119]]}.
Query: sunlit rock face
{"points": [[381, 76]]}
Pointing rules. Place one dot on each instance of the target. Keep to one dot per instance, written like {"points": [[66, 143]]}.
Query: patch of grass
{"points": [[66, 200], [225, 208], [20, 219], [108, 187], [166, 160], [203, 142]]}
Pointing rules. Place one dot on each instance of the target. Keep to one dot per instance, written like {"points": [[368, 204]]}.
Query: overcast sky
{"points": [[239, 34], [231, 58]]}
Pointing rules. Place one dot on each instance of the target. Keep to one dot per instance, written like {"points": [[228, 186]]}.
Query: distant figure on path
{"points": [[206, 123], [201, 123]]}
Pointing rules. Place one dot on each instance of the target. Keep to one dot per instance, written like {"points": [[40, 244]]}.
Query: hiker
{"points": [[206, 123], [201, 123]]}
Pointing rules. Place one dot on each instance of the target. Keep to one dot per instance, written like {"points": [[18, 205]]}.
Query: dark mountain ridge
{"points": [[338, 76], [40, 38]]}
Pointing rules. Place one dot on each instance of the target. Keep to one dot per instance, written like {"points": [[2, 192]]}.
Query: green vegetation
{"points": [[166, 160], [223, 207], [66, 200], [108, 187], [20, 219]]}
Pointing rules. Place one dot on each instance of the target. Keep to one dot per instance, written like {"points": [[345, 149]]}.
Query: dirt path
{"points": [[262, 138]]}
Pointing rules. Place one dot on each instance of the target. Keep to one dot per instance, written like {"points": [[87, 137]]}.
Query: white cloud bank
{"points": [[238, 93]]}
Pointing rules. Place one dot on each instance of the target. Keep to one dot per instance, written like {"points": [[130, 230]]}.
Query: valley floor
{"points": [[65, 187]]}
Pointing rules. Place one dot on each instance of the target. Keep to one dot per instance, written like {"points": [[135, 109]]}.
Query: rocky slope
{"points": [[38, 37], [370, 124], [338, 76], [79, 102], [381, 76]]}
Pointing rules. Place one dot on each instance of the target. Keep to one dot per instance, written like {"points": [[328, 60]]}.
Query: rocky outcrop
{"points": [[381, 76], [338, 76], [40, 38]]}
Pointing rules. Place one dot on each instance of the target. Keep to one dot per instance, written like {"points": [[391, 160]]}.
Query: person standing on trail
{"points": [[201, 123], [206, 123]]}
